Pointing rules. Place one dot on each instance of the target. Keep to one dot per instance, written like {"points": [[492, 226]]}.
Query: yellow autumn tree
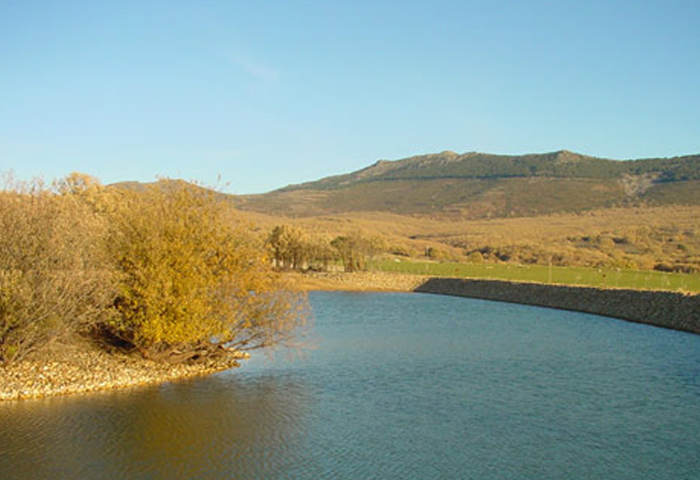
{"points": [[192, 279], [289, 247], [55, 280]]}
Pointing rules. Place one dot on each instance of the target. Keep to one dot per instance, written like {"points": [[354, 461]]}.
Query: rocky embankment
{"points": [[674, 310], [89, 370]]}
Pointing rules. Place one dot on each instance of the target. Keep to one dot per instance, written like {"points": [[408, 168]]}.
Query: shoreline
{"points": [[88, 369], [91, 370]]}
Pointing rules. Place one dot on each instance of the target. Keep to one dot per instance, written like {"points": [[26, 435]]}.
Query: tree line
{"points": [[295, 249]]}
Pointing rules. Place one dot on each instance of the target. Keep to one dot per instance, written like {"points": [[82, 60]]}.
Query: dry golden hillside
{"points": [[641, 237]]}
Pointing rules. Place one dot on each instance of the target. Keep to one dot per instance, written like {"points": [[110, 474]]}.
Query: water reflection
{"points": [[189, 429], [401, 386]]}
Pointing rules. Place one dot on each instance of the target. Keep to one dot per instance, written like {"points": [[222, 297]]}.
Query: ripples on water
{"points": [[398, 386]]}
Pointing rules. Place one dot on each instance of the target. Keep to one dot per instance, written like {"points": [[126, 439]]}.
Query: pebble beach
{"points": [[91, 370]]}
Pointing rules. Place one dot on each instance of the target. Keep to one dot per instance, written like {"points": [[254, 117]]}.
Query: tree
{"points": [[294, 249], [168, 271], [288, 247], [319, 253], [356, 249], [193, 280]]}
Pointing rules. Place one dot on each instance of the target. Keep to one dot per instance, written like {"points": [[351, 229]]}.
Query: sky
{"points": [[263, 94]]}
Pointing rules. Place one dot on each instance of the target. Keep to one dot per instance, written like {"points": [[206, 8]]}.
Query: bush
{"points": [[54, 278], [167, 271], [192, 279], [476, 257], [400, 250]]}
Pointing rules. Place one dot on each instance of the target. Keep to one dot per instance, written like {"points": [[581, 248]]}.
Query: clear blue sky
{"points": [[269, 93]]}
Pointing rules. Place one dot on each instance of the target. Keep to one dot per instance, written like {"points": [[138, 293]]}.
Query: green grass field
{"points": [[645, 280]]}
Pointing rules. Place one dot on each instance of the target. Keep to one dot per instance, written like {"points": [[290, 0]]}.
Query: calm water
{"points": [[399, 386]]}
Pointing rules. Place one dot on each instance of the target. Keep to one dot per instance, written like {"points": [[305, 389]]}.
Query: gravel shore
{"points": [[90, 370], [357, 281]]}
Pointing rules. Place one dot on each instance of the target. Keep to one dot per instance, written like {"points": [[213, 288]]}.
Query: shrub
{"points": [[192, 279], [476, 257], [607, 244], [167, 271], [400, 250], [54, 278]]}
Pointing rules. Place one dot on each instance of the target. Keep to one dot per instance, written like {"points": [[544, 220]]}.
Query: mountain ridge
{"points": [[483, 185], [561, 163]]}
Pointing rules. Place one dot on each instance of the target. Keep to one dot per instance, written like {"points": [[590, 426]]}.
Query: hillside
{"points": [[577, 227], [479, 185]]}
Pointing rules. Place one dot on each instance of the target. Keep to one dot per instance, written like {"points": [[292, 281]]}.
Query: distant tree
{"points": [[356, 249], [289, 247], [319, 253], [349, 252]]}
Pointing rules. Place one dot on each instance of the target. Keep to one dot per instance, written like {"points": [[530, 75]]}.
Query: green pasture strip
{"points": [[595, 277]]}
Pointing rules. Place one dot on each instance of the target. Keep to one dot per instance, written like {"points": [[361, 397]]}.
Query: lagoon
{"points": [[406, 386]]}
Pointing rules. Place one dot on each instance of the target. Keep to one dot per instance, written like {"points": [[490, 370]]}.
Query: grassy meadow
{"points": [[594, 277]]}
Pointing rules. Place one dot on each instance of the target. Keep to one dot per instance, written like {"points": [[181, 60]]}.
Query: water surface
{"points": [[399, 386]]}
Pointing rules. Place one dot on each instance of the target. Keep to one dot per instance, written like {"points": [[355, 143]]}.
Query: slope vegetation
{"points": [[478, 185]]}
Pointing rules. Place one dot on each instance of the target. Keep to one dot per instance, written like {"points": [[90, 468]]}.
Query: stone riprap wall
{"points": [[673, 310]]}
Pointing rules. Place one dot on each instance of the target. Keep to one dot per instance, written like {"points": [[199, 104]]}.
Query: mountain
{"points": [[480, 185]]}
